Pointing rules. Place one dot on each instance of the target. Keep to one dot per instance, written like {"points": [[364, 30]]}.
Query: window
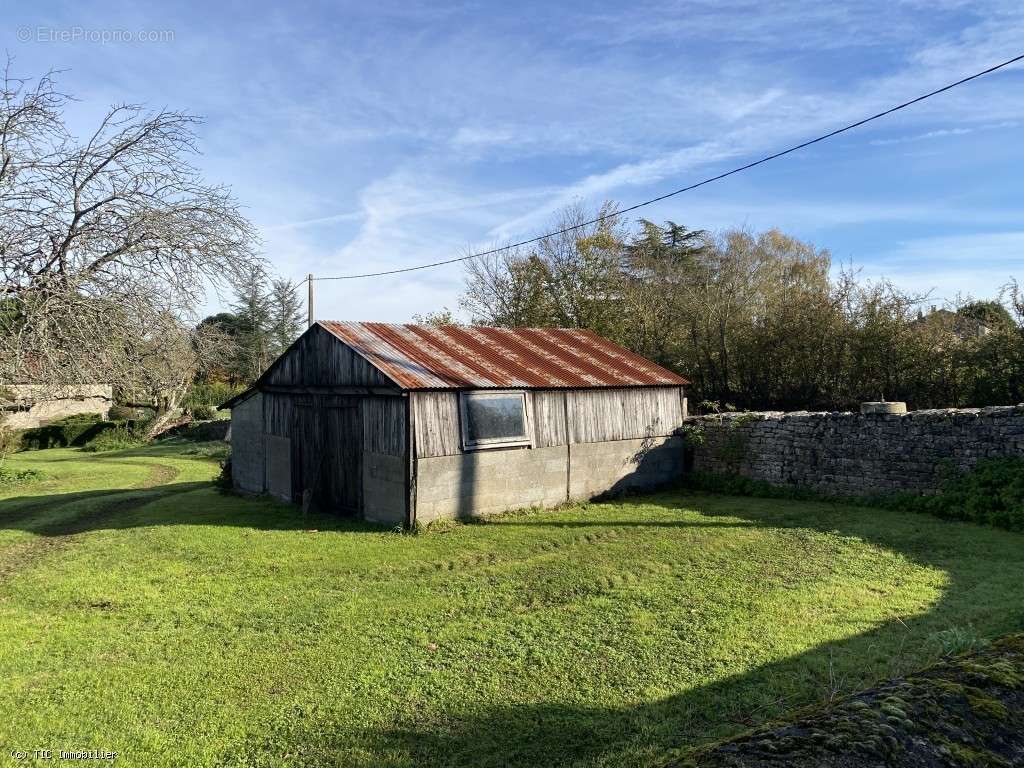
{"points": [[494, 419]]}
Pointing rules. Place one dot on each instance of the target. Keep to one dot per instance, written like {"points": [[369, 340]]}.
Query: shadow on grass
{"points": [[552, 734], [984, 569], [71, 513]]}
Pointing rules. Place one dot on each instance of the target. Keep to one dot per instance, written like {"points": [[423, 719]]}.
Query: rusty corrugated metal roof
{"points": [[474, 357]]}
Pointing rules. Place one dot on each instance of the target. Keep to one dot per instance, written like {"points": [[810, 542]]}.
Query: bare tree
{"points": [[570, 279], [104, 241]]}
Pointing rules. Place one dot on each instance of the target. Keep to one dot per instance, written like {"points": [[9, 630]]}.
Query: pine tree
{"points": [[253, 308], [286, 315]]}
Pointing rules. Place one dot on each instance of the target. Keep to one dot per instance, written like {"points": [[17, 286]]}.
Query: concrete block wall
{"points": [[248, 459], [487, 482], [384, 491], [851, 454], [279, 466], [615, 465]]}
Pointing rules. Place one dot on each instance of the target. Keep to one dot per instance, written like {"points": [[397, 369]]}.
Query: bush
{"points": [[10, 441], [992, 493], [127, 413], [224, 481], [200, 432], [204, 413], [120, 437], [69, 431]]}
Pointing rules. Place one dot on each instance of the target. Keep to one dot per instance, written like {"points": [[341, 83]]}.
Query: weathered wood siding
{"points": [[594, 416], [384, 425], [319, 359], [548, 418], [598, 415], [277, 413], [436, 416]]}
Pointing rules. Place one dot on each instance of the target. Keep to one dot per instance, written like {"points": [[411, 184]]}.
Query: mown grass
{"points": [[143, 612]]}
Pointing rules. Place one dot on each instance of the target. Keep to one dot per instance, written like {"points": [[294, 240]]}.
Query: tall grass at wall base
{"points": [[992, 493]]}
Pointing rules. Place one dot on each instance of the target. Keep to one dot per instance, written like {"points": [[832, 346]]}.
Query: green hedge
{"points": [[82, 431], [992, 493], [62, 433]]}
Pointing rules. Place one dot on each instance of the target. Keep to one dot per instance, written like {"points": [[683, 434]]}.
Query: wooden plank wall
{"points": [[436, 416], [384, 425], [320, 359], [548, 418], [277, 413], [595, 415]]}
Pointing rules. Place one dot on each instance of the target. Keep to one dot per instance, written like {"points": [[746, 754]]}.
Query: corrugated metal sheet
{"points": [[472, 357]]}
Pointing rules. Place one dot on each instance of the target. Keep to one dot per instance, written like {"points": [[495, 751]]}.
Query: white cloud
{"points": [[966, 265], [392, 135]]}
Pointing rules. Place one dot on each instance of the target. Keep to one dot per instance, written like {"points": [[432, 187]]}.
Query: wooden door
{"points": [[342, 486], [307, 438], [327, 441]]}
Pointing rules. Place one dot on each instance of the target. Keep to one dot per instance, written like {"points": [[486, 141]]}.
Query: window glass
{"points": [[494, 417]]}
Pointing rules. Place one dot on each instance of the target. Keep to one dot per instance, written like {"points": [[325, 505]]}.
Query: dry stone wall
{"points": [[851, 454]]}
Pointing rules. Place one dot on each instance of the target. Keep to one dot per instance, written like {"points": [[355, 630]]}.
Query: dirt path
{"points": [[159, 474], [59, 534]]}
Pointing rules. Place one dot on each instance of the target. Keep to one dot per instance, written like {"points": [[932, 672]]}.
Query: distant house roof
{"points": [[474, 357]]}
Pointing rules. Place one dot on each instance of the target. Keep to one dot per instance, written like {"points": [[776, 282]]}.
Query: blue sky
{"points": [[380, 135]]}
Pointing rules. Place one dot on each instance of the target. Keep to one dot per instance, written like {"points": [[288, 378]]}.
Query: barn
{"points": [[401, 424]]}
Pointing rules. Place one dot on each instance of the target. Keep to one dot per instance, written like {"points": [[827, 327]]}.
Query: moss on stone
{"points": [[964, 711]]}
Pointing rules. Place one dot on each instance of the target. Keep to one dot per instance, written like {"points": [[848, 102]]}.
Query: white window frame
{"points": [[496, 442]]}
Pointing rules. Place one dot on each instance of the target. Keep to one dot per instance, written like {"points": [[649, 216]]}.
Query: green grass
{"points": [[143, 612]]}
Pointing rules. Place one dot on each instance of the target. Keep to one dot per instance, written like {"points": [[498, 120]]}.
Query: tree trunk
{"points": [[167, 405]]}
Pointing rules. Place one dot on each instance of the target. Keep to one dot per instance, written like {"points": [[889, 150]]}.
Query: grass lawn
{"points": [[143, 612]]}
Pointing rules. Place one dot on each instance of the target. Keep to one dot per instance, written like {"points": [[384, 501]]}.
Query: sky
{"points": [[372, 136]]}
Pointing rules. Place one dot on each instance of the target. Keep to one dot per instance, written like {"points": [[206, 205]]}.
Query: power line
{"points": [[679, 191]]}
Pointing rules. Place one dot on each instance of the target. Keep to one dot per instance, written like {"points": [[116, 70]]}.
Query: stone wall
{"points": [[851, 454], [42, 405]]}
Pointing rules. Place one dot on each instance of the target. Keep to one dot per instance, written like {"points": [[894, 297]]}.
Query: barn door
{"points": [[327, 454], [343, 448], [307, 438]]}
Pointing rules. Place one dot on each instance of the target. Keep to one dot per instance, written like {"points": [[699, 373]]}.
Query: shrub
{"points": [[69, 431], [224, 481], [200, 432], [127, 413], [121, 436], [991, 493], [204, 413]]}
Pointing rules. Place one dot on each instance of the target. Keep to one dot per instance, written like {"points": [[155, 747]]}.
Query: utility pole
{"points": [[309, 282]]}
